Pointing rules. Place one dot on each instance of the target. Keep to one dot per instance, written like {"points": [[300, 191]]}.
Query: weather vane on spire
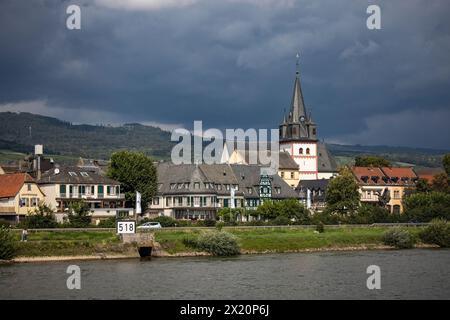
{"points": [[297, 56]]}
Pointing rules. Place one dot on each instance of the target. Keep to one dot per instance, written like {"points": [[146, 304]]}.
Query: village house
{"points": [[190, 191], [385, 186], [19, 196], [64, 185]]}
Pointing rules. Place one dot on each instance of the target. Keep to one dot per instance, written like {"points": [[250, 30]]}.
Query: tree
{"points": [[371, 161], [41, 217], [136, 172], [424, 207], [446, 163], [342, 194], [79, 214], [422, 185], [440, 183]]}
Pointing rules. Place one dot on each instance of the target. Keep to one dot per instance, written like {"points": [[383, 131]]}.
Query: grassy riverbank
{"points": [[284, 239], [251, 240]]}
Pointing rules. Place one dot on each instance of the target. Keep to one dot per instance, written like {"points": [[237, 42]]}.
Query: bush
{"points": [[320, 227], [220, 225], [218, 243], [107, 223], [8, 246], [280, 221], [165, 221], [437, 233], [398, 238], [38, 221], [4, 223], [209, 223]]}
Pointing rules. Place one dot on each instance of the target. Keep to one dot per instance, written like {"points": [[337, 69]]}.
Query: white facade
{"points": [[305, 155]]}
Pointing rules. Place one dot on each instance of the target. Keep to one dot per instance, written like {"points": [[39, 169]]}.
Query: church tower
{"points": [[298, 134]]}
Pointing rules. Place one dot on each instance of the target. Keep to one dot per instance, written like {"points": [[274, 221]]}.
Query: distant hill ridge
{"points": [[100, 141]]}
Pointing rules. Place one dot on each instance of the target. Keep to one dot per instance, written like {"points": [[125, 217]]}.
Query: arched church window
{"points": [[307, 151], [300, 150]]}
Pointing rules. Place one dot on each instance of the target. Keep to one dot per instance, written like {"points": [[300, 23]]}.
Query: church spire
{"points": [[298, 109]]}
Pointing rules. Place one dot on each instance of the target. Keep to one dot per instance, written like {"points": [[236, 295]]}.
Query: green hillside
{"points": [[88, 141]]}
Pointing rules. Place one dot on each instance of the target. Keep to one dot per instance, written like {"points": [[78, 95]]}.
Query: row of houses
{"points": [[22, 191]]}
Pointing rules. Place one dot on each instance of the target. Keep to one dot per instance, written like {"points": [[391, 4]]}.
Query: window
{"points": [[100, 190], [168, 201], [62, 189], [172, 186], [156, 201], [300, 150], [236, 187], [292, 175], [307, 151], [72, 174], [82, 190], [396, 194], [197, 185], [278, 190], [396, 209], [179, 186], [227, 186], [249, 190], [92, 190], [282, 174], [314, 131], [84, 174], [34, 202], [29, 187]]}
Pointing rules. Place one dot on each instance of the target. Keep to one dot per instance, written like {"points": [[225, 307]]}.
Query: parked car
{"points": [[150, 225]]}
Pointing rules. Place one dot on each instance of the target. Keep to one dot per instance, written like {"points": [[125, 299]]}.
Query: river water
{"points": [[405, 274]]}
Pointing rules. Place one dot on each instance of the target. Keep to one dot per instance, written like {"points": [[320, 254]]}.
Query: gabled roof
{"points": [[326, 162], [10, 184]]}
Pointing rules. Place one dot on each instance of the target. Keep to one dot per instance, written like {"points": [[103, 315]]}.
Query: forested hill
{"points": [[89, 141]]}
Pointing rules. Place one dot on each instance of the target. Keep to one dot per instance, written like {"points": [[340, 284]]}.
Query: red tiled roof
{"points": [[368, 172], [10, 184], [385, 175], [399, 172]]}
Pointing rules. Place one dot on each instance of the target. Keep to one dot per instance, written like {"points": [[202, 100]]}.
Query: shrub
{"points": [[190, 242], [280, 221], [437, 233], [255, 223], [218, 243], [220, 225], [8, 246], [209, 223], [165, 221], [320, 227], [4, 223], [398, 238], [107, 223]]}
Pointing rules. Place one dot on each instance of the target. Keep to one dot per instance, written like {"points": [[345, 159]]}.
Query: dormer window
{"points": [[375, 178], [72, 174], [84, 174]]}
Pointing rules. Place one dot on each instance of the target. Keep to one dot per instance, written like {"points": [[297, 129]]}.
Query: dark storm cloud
{"points": [[231, 64]]}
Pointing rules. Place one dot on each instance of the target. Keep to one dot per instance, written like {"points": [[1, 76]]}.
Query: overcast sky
{"points": [[231, 63]]}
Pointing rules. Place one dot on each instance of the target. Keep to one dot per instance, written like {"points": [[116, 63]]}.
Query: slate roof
{"points": [[81, 176], [326, 159], [246, 177], [10, 184]]}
